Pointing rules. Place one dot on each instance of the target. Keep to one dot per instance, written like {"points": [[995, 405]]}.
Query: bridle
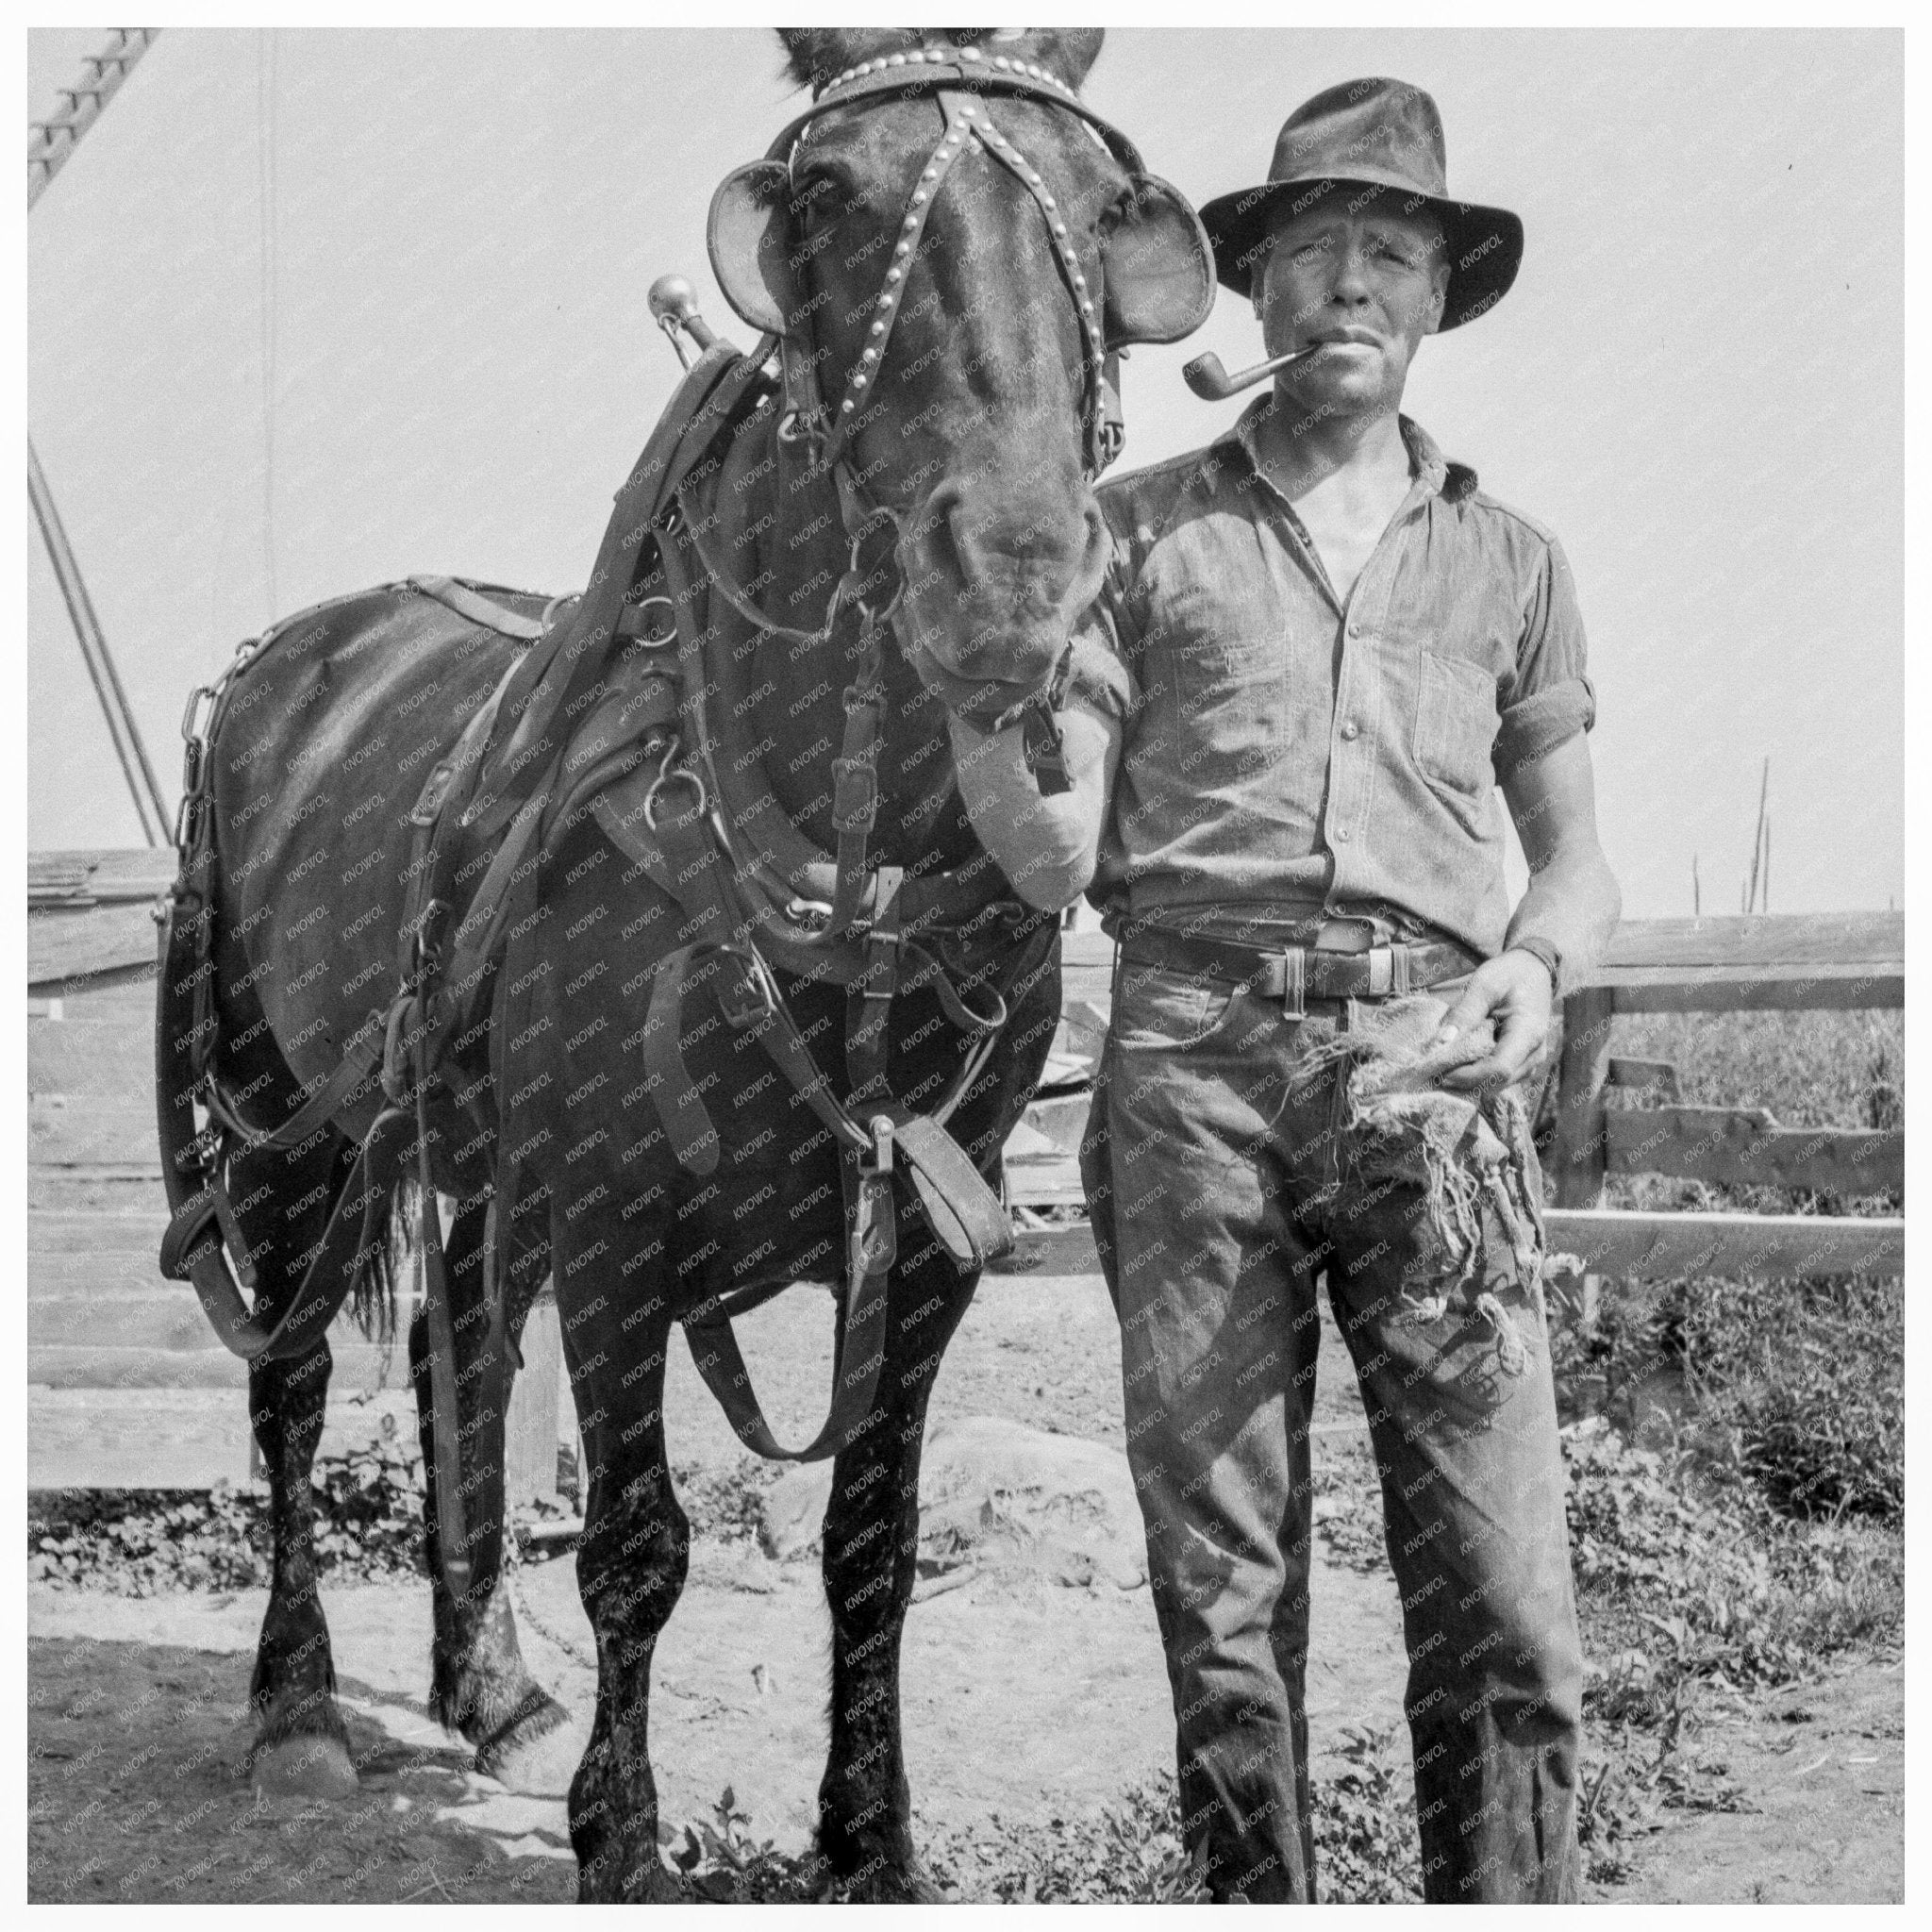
{"points": [[958, 78]]}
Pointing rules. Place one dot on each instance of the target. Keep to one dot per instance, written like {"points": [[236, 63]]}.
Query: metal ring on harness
{"points": [[669, 774]]}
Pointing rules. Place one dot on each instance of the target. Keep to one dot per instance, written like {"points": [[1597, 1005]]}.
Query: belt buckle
{"points": [[1329, 940], [1381, 971]]}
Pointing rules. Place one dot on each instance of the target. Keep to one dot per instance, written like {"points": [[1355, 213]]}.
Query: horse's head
{"points": [[949, 250]]}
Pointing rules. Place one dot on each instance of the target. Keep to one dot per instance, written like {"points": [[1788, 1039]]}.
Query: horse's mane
{"points": [[814, 54]]}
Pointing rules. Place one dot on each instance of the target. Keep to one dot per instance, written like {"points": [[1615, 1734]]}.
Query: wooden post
{"points": [[530, 1438], [1580, 1156]]}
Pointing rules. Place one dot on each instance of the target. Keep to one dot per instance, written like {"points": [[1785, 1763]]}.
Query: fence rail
{"points": [[129, 1389]]}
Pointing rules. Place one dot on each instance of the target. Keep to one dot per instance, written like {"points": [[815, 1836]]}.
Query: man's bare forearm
{"points": [[1575, 903]]}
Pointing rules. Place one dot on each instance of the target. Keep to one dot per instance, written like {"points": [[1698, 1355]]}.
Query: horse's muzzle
{"points": [[999, 568]]}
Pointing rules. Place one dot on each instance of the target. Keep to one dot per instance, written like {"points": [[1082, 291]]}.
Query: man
{"points": [[1331, 645]]}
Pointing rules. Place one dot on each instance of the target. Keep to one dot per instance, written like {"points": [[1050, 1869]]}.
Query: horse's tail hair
{"points": [[385, 1264]]}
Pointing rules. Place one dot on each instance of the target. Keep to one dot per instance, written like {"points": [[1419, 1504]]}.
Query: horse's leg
{"points": [[300, 1746], [631, 1559], [871, 1558], [478, 1682]]}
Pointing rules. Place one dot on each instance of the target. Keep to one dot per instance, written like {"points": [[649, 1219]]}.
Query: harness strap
{"points": [[192, 1249], [959, 1205], [354, 1073], [452, 1543], [718, 382], [478, 609], [674, 1092]]}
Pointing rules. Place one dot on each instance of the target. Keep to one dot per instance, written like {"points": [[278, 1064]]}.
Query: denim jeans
{"points": [[1225, 1176]]}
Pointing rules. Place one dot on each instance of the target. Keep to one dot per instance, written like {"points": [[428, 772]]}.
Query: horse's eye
{"points": [[816, 201]]}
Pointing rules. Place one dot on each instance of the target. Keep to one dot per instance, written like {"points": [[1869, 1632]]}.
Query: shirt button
{"points": [[1341, 835], [1355, 630], [1351, 729]]}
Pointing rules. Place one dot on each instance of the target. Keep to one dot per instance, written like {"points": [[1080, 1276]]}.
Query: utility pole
{"points": [[49, 145]]}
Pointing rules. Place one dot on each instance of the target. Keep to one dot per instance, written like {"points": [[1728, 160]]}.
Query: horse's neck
{"points": [[779, 532]]}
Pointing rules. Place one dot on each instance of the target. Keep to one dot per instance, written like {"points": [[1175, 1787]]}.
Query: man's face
{"points": [[1357, 274]]}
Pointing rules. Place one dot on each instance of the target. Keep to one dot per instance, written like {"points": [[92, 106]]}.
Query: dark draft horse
{"points": [[972, 452]]}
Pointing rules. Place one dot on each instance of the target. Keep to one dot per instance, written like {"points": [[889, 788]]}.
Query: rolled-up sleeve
{"points": [[1549, 700]]}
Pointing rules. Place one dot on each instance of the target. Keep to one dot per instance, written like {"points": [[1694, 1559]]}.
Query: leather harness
{"points": [[641, 762]]}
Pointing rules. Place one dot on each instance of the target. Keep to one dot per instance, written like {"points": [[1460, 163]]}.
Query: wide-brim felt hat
{"points": [[1368, 133]]}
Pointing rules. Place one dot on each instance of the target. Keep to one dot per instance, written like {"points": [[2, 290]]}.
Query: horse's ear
{"points": [[749, 237], [1069, 52], [1159, 268]]}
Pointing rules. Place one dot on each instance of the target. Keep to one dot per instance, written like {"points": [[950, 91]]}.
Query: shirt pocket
{"points": [[1455, 724], [1226, 708]]}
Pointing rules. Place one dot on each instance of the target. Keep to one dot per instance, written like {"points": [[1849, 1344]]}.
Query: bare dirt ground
{"points": [[1026, 1698]]}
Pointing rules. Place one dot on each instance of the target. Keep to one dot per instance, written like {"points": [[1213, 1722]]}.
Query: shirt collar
{"points": [[1436, 474]]}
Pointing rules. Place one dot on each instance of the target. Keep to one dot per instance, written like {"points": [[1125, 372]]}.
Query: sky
{"points": [[311, 311]]}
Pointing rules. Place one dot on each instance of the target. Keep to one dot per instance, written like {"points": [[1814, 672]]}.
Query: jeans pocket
{"points": [[1155, 1010]]}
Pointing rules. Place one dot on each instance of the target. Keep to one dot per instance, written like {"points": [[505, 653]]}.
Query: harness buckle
{"points": [[854, 795], [749, 997], [188, 817]]}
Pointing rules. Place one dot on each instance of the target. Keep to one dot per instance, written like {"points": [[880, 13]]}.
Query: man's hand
{"points": [[1513, 990]]}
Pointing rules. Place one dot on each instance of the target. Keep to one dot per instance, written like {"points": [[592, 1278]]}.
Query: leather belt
{"points": [[1295, 974]]}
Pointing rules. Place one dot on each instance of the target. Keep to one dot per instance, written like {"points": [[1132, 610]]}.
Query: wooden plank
{"points": [[1578, 1164], [1833, 988], [175, 1438], [108, 1192], [113, 1055], [57, 1236], [130, 872], [1044, 1184], [130, 996], [1770, 1245], [166, 1317], [1061, 1120], [1086, 968], [1613, 1242], [359, 1366], [1643, 1076], [136, 1439], [83, 945], [93, 1130], [531, 1440], [1745, 1146]]}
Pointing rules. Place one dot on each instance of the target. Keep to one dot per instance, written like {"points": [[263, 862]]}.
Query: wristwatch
{"points": [[1548, 952]]}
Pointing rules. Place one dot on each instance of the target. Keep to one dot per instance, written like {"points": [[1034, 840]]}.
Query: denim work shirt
{"points": [[1285, 756]]}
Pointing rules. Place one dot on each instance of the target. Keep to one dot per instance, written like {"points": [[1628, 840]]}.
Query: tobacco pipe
{"points": [[1213, 384]]}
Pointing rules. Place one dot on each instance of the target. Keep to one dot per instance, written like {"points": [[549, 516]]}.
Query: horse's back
{"points": [[326, 742]]}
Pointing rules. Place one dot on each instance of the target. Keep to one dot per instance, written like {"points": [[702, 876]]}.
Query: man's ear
{"points": [[1438, 298], [749, 238], [1160, 269]]}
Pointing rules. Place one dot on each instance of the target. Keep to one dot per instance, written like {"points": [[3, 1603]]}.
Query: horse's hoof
{"points": [[304, 1767], [539, 1757]]}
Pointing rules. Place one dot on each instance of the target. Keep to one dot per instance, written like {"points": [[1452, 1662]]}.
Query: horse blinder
{"points": [[1158, 268], [748, 236]]}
